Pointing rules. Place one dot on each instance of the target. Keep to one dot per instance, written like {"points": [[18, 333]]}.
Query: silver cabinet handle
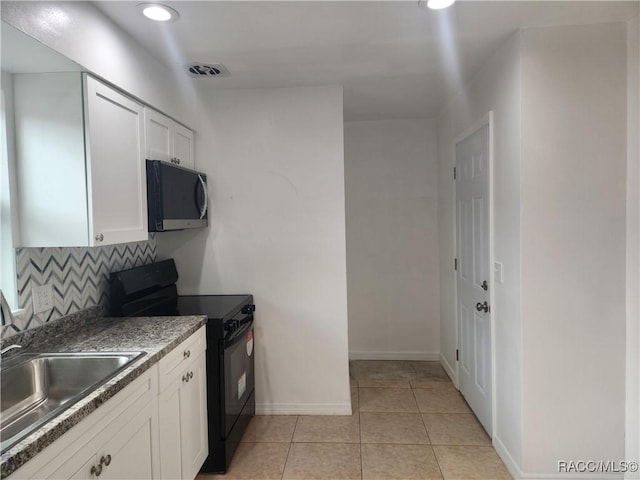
{"points": [[186, 354], [190, 374], [177, 160], [203, 209], [96, 470], [100, 237], [185, 378], [105, 460]]}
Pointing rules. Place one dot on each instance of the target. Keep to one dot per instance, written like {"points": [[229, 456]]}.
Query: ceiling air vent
{"points": [[209, 70]]}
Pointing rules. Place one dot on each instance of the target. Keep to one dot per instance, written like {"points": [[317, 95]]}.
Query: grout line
{"points": [[430, 444], [295, 427], [426, 430], [360, 431], [289, 449]]}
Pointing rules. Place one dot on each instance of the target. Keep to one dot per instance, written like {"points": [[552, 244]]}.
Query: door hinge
{"points": [[455, 264], [457, 355], [454, 173]]}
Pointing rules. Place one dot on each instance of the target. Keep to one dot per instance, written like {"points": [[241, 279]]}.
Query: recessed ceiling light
{"points": [[436, 4], [158, 12]]}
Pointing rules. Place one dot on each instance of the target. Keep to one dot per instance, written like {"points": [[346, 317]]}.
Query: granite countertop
{"points": [[156, 336]]}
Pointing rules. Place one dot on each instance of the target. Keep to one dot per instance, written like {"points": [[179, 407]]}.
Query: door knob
{"points": [[100, 237], [485, 286], [482, 307]]}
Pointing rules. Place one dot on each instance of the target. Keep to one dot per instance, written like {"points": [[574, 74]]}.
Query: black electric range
{"points": [[151, 290]]}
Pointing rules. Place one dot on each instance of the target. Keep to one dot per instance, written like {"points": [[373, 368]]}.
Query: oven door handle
{"points": [[238, 334]]}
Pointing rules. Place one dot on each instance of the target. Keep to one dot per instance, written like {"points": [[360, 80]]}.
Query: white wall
{"points": [[495, 88], [392, 240], [83, 34], [9, 225], [633, 247], [559, 101], [573, 243], [275, 165]]}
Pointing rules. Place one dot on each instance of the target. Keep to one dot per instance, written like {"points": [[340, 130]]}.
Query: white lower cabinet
{"points": [[182, 410], [118, 441], [123, 451], [141, 433]]}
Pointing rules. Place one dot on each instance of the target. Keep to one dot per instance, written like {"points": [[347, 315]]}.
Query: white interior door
{"points": [[472, 276]]}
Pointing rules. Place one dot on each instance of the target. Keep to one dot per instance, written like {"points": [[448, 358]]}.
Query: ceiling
{"points": [[394, 59]]}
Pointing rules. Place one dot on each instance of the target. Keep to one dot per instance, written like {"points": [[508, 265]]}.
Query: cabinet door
{"points": [[193, 415], [77, 467], [169, 431], [184, 443], [183, 146], [129, 454], [50, 155], [116, 169], [157, 129]]}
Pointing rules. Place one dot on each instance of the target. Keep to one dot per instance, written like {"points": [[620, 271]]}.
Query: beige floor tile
{"points": [[381, 370], [323, 461], [328, 428], [455, 429], [405, 428], [439, 400], [429, 371], [470, 463], [355, 401], [386, 400], [399, 462], [433, 383], [270, 428], [384, 383], [255, 461]]}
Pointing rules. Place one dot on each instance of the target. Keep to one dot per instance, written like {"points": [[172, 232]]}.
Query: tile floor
{"points": [[408, 422]]}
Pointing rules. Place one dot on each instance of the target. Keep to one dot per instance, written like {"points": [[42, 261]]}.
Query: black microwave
{"points": [[176, 197]]}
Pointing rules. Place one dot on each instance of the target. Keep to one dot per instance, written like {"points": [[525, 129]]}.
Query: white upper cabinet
{"points": [[80, 162], [167, 140], [115, 166]]}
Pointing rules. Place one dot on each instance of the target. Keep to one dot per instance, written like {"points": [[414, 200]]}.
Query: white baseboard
{"points": [[449, 369], [518, 474], [373, 355], [570, 476], [505, 455], [303, 408]]}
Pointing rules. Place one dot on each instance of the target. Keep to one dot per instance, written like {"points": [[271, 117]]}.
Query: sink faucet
{"points": [[6, 317], [10, 347]]}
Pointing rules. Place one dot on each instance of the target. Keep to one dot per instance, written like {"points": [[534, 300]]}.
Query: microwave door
{"points": [[177, 197]]}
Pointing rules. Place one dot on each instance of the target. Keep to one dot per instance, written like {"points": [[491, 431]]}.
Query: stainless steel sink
{"points": [[35, 388]]}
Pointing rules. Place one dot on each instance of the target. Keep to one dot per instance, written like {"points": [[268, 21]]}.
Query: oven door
{"points": [[239, 375]]}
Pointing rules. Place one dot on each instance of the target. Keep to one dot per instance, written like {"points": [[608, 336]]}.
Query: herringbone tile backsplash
{"points": [[79, 277]]}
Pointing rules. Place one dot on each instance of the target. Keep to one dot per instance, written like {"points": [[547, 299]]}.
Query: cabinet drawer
{"points": [[180, 357]]}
